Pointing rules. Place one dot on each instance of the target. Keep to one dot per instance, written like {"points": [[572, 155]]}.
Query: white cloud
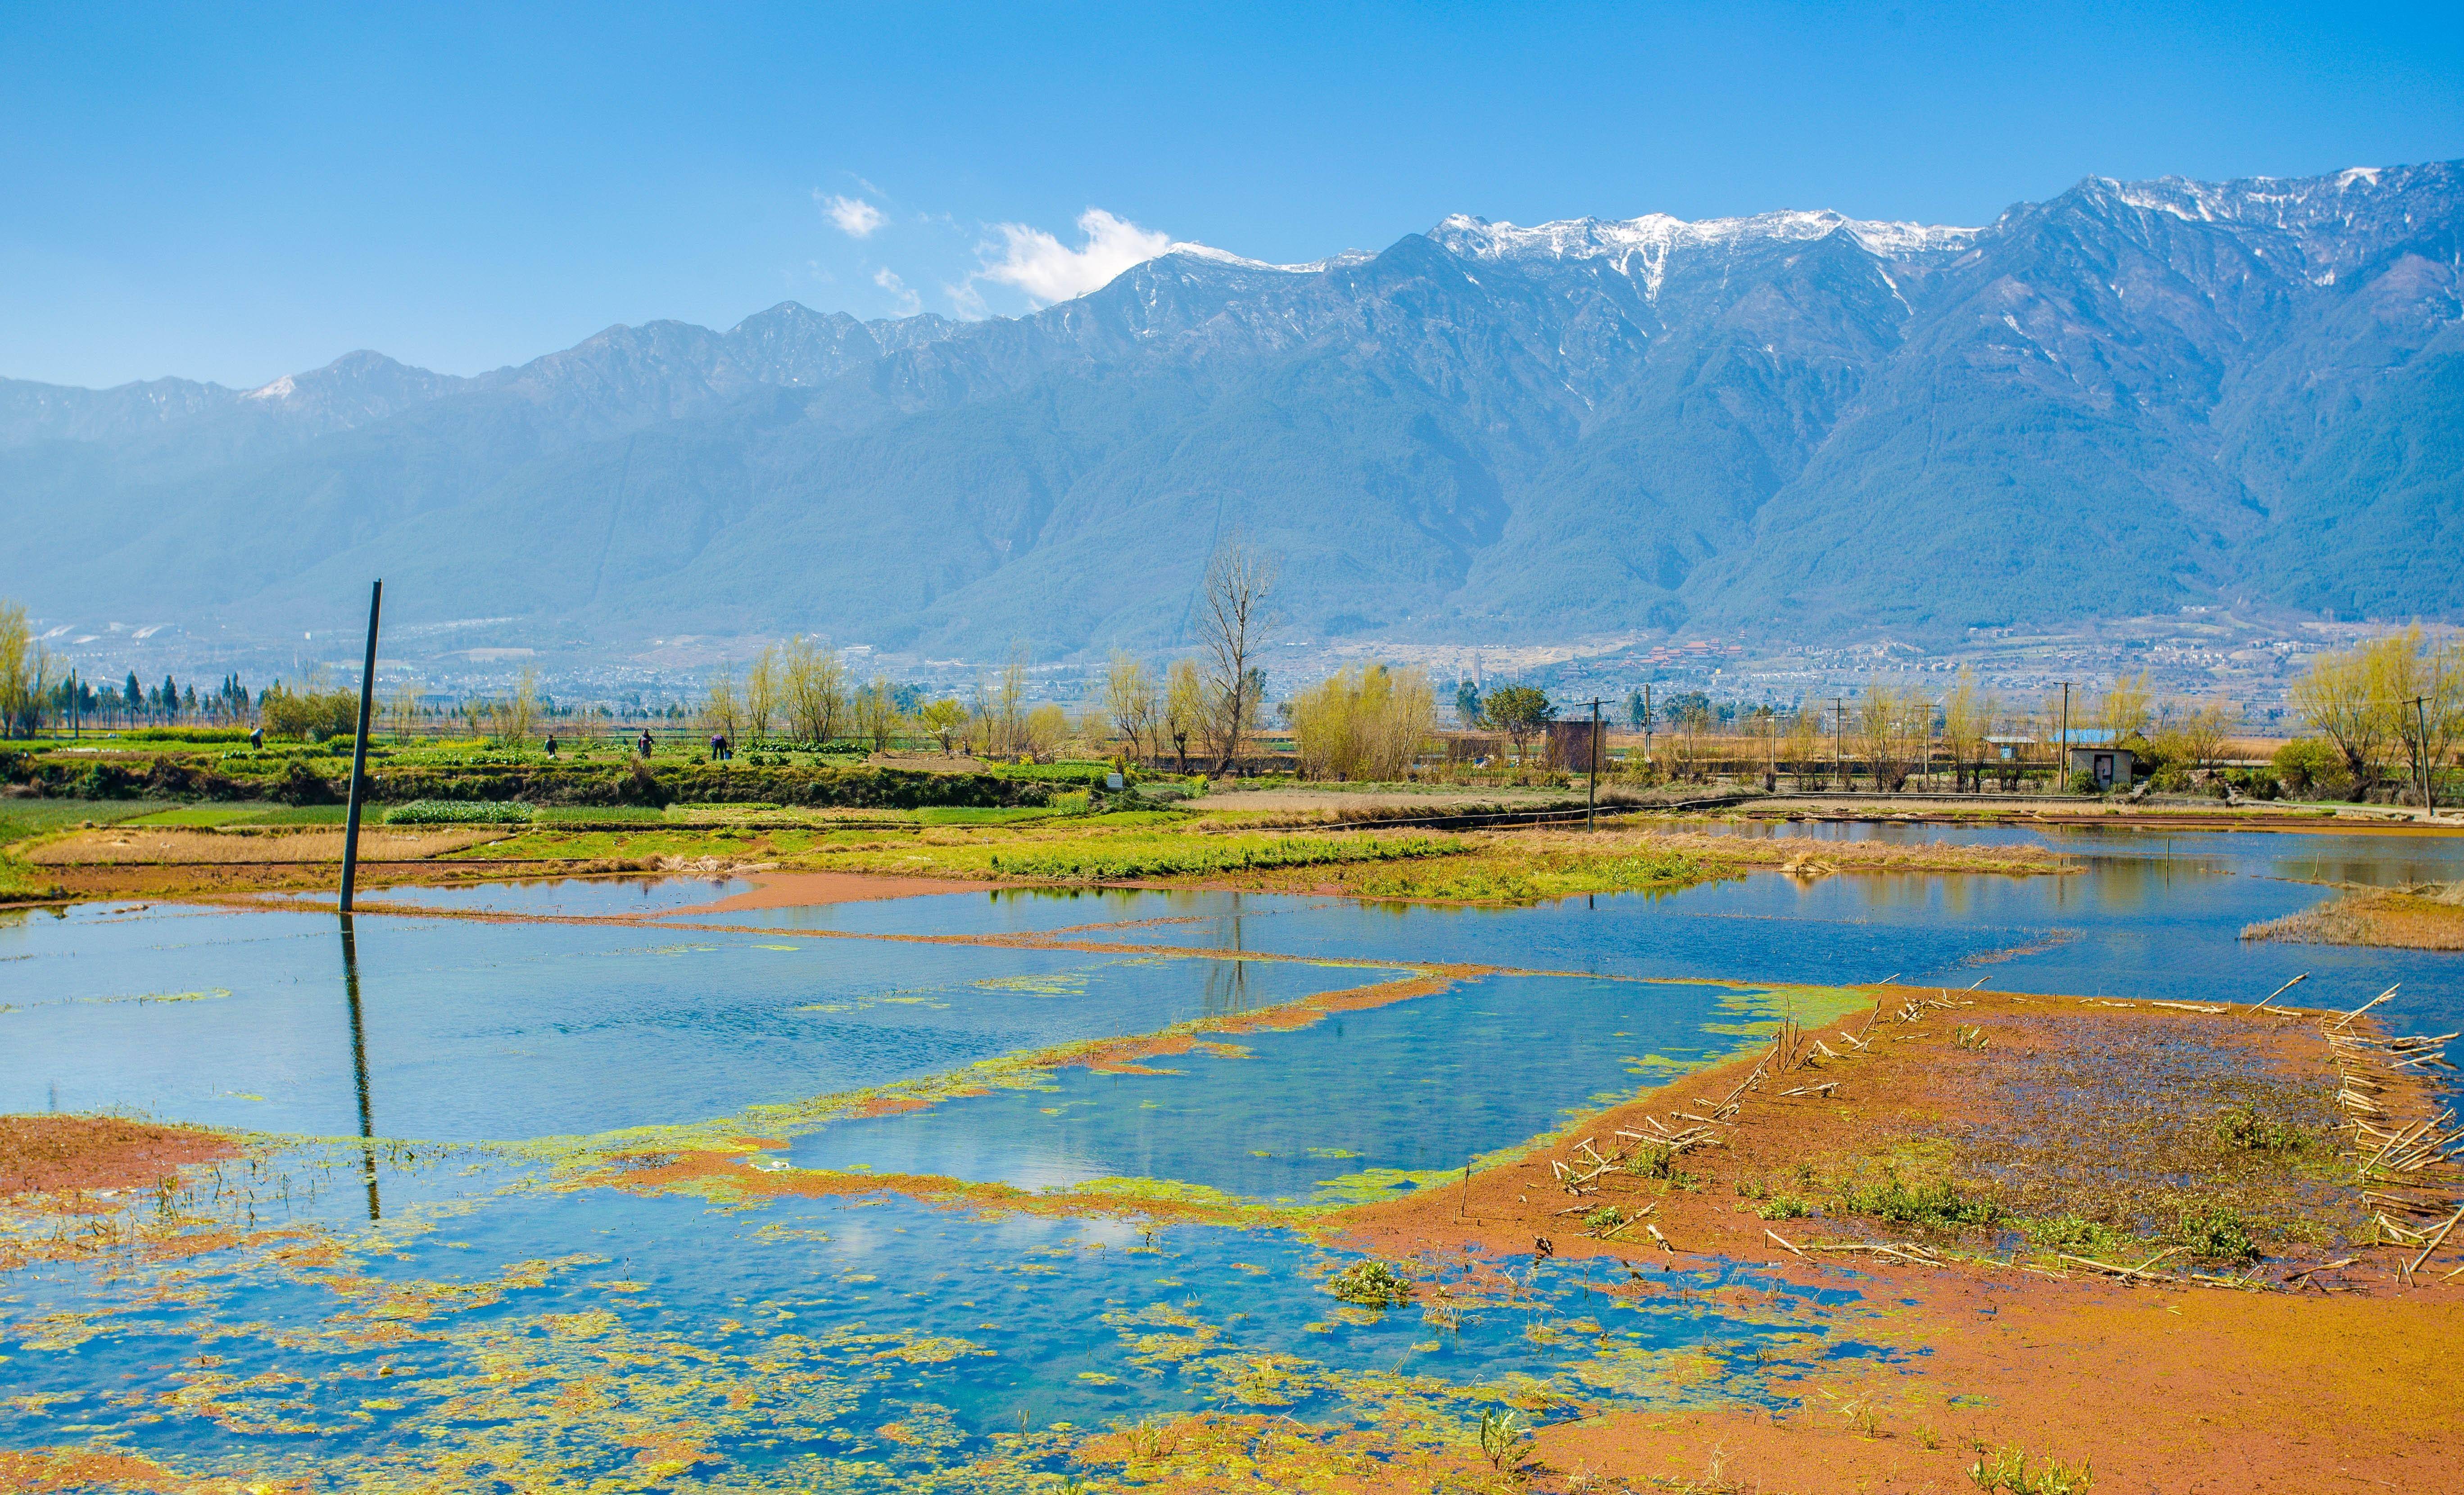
{"points": [[855, 217], [1048, 270], [909, 303]]}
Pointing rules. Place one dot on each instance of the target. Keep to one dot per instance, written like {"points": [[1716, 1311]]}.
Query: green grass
{"points": [[1134, 856], [20, 819], [610, 814], [1513, 875], [943, 816], [249, 814], [458, 812]]}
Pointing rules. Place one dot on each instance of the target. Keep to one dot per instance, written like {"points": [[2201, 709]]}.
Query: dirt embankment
{"points": [[2019, 1155]]}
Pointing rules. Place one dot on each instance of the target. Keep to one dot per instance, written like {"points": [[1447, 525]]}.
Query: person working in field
{"points": [[645, 744]]}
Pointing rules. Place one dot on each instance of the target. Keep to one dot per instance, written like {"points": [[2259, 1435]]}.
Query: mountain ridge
{"points": [[2130, 396]]}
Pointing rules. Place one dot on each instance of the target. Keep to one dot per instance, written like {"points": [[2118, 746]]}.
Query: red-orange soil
{"points": [[56, 1154], [2168, 1387]]}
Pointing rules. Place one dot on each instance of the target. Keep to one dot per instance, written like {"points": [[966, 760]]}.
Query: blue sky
{"points": [[236, 193]]}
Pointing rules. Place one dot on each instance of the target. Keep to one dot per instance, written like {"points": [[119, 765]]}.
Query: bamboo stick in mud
{"points": [[2436, 1242], [2281, 991], [2365, 1006]]}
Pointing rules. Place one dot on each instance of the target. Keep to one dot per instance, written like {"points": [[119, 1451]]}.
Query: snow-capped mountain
{"points": [[2132, 396]]}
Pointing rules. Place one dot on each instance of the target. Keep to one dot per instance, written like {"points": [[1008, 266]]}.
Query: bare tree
{"points": [[1132, 699], [722, 712], [814, 686], [1233, 622]]}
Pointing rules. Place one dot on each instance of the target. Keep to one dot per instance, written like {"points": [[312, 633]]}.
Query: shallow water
{"points": [[795, 1334], [461, 1030], [2155, 914], [1348, 1107], [454, 1301]]}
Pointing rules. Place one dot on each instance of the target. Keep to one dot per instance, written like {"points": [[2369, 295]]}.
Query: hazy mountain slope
{"points": [[2131, 396]]}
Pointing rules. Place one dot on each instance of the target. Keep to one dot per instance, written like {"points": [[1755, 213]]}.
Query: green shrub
{"points": [[308, 713], [2216, 1235], [1653, 1161], [1938, 1205], [458, 812], [2082, 782], [2076, 1235], [2309, 766], [1371, 1283], [185, 733], [302, 784], [1071, 773], [105, 781]]}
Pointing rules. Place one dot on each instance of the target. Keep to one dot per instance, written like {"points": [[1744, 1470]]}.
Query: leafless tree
{"points": [[1233, 622]]}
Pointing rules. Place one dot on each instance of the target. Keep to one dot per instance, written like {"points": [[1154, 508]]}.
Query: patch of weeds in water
{"points": [[1938, 1205], [2242, 1129], [1504, 1437], [2009, 1471], [1370, 1284], [2216, 1235], [1658, 1160], [1784, 1207], [2076, 1235], [1608, 1217]]}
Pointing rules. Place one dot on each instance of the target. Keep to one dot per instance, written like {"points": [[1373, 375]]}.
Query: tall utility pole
{"points": [[2428, 769], [1839, 743], [1646, 725], [1592, 788], [2063, 757], [360, 752]]}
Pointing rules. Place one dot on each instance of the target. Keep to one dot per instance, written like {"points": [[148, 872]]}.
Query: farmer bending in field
{"points": [[645, 743]]}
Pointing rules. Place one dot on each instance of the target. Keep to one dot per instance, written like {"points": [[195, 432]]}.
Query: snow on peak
{"points": [[1214, 256], [1588, 238], [1643, 244], [280, 389]]}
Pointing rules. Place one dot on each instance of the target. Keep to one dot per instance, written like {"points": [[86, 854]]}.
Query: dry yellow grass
{"points": [[2410, 918], [1803, 855], [121, 846]]}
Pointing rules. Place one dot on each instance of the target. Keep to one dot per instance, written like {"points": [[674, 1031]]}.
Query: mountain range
{"points": [[2128, 399]]}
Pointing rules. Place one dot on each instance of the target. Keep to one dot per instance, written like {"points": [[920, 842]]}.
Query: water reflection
{"points": [[360, 1060]]}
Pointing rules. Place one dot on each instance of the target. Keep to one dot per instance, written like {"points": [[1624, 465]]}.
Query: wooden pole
{"points": [[2062, 761], [359, 752], [2428, 769], [1592, 790], [360, 1065]]}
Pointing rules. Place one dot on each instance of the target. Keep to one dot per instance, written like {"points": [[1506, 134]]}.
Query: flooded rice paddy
{"points": [[465, 1250]]}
